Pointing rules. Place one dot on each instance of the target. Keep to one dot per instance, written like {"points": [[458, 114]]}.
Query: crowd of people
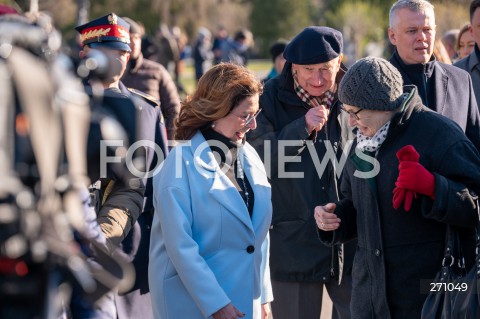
{"points": [[249, 198]]}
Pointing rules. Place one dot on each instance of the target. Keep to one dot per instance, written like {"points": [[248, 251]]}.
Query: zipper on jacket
{"points": [[332, 268]]}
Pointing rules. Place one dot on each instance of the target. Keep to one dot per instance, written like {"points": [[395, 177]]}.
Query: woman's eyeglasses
{"points": [[248, 118], [351, 113]]}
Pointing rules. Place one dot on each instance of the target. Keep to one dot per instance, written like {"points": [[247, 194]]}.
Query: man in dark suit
{"points": [[471, 62], [443, 88]]}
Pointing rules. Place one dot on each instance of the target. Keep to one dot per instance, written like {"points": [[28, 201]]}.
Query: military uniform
{"points": [[136, 303], [119, 192]]}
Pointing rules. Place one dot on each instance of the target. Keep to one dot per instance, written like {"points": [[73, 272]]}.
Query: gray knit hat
{"points": [[373, 84]]}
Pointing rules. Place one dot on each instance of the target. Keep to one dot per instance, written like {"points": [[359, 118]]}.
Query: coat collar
{"points": [[222, 189], [438, 74], [473, 60], [287, 92]]}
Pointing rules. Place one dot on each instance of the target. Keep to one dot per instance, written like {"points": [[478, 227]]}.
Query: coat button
{"points": [[250, 249], [377, 252]]}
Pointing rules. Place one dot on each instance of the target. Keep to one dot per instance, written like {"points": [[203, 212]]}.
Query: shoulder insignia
{"points": [[146, 97]]}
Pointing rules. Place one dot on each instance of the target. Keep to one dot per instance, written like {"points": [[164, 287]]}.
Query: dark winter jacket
{"points": [[136, 303], [397, 249], [152, 78], [299, 180], [451, 94]]}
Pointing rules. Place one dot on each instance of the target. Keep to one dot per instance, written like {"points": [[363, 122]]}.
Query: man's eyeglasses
{"points": [[248, 118], [351, 113]]}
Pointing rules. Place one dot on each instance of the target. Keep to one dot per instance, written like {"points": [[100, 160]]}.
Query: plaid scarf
{"points": [[314, 101]]}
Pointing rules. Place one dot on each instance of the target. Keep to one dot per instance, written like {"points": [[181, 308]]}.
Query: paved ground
{"points": [[326, 307]]}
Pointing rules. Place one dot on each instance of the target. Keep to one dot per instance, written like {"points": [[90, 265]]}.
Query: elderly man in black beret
{"points": [[300, 132]]}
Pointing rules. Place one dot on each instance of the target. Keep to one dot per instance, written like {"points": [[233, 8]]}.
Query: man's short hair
{"points": [[412, 5], [473, 6]]}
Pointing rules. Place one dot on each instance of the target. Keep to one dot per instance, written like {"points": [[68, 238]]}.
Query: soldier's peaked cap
{"points": [[110, 31]]}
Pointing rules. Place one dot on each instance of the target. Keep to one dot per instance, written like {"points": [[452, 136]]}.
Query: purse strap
{"points": [[449, 255], [477, 236], [453, 248]]}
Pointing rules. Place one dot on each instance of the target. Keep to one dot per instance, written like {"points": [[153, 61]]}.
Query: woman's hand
{"points": [[325, 218], [265, 310], [228, 312]]}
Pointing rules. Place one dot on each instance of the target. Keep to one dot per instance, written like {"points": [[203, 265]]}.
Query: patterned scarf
{"points": [[372, 144], [314, 101]]}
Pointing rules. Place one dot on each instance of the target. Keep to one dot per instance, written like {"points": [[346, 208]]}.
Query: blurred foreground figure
{"points": [[45, 224]]}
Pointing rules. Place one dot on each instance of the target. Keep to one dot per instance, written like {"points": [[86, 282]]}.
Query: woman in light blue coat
{"points": [[212, 207]]}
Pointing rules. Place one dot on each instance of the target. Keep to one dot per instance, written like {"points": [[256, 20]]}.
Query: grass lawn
{"points": [[258, 67]]}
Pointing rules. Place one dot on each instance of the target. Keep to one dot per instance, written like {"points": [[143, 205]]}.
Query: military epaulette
{"points": [[146, 97]]}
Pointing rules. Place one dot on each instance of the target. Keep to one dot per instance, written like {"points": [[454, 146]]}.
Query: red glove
{"points": [[406, 153], [414, 177], [400, 195]]}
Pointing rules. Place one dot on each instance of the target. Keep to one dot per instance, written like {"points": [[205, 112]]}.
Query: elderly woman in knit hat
{"points": [[412, 173], [299, 131]]}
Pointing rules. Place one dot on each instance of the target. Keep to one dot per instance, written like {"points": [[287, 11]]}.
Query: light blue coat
{"points": [[200, 234]]}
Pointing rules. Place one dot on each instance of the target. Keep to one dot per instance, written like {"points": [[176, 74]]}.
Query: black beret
{"points": [[314, 45]]}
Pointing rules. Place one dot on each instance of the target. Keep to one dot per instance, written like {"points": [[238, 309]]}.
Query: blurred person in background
{"points": [[465, 42], [276, 53], [471, 62], [181, 41], [440, 52], [202, 52], [162, 48], [449, 39], [236, 50], [220, 36], [152, 78]]}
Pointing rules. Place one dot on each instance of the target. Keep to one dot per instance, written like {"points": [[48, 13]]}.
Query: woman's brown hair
{"points": [[218, 91], [464, 29]]}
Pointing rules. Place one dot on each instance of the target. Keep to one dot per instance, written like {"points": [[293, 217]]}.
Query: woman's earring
{"points": [[213, 125]]}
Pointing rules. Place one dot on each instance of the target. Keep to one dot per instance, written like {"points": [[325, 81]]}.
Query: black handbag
{"points": [[456, 293], [467, 304]]}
